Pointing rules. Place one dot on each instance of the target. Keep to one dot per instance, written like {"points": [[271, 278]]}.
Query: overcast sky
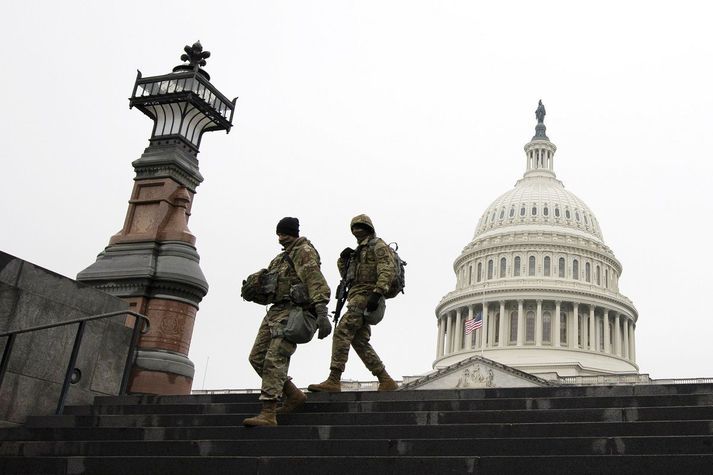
{"points": [[412, 112]]}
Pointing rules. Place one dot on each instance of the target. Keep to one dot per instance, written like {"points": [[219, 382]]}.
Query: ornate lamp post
{"points": [[152, 262]]}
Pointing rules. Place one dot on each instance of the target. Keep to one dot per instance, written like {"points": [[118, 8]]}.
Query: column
{"points": [[520, 323], [617, 334], [556, 322], [573, 342], [503, 325], [538, 324], [449, 333], [593, 336], [458, 333], [607, 335], [626, 338], [441, 335], [632, 344], [484, 329]]}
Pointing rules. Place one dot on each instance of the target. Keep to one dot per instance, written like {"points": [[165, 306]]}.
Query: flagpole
{"points": [[483, 327]]}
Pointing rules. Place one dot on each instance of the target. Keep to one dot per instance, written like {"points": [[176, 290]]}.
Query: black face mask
{"points": [[360, 232]]}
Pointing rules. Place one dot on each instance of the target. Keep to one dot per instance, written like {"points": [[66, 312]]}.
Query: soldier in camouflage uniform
{"points": [[371, 270], [271, 352]]}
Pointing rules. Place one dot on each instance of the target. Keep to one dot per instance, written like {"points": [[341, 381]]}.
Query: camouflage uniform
{"points": [[371, 269], [270, 355]]}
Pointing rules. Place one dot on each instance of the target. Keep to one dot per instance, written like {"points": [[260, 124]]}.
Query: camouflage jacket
{"points": [[306, 271], [371, 268]]}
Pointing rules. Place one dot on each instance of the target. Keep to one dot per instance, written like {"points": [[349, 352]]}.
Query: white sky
{"points": [[412, 112]]}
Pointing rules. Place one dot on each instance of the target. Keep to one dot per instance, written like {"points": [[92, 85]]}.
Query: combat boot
{"points": [[294, 398], [385, 382], [266, 416], [331, 385]]}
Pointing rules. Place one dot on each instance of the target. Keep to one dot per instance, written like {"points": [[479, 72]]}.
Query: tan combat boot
{"points": [[385, 382], [294, 398], [266, 416], [331, 385]]}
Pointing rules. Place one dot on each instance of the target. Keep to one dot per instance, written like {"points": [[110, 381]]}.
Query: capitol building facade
{"points": [[545, 285]]}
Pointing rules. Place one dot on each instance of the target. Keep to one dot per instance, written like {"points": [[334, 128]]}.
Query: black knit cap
{"points": [[289, 226]]}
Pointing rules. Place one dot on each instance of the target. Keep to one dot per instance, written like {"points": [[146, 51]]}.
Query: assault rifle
{"points": [[342, 291]]}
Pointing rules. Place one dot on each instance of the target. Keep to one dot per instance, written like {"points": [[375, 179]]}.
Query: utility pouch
{"points": [[299, 294], [301, 325], [372, 318], [269, 282]]}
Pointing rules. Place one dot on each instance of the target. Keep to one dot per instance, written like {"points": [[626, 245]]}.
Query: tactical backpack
{"points": [[398, 283]]}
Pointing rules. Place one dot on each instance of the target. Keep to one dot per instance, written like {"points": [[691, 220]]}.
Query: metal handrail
{"points": [[75, 348]]}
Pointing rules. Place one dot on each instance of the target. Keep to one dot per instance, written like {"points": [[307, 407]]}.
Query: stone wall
{"points": [[32, 296]]}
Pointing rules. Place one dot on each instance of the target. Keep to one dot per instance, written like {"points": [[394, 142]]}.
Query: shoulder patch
{"points": [[381, 251]]}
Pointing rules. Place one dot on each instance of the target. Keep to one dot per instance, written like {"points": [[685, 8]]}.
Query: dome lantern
{"points": [[540, 151]]}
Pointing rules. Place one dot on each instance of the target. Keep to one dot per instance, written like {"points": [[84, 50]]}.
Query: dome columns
{"points": [[540, 324]]}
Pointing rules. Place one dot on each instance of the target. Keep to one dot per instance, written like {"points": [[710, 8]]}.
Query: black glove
{"points": [[325, 327], [346, 253], [373, 302]]}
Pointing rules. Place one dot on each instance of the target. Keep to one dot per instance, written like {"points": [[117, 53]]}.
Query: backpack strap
{"points": [[286, 257]]}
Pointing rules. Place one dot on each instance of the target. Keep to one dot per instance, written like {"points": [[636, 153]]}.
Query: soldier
{"points": [[371, 270], [299, 263]]}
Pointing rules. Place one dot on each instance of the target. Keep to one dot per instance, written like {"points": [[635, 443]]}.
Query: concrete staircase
{"points": [[593, 429]]}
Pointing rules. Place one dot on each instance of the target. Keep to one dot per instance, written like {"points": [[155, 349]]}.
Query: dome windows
{"points": [[547, 328], [547, 266], [545, 211], [503, 267], [513, 328], [557, 212], [567, 214], [502, 213], [512, 211], [516, 267], [530, 327], [531, 266], [561, 267], [490, 269], [575, 269], [576, 215], [587, 272], [479, 274], [534, 210], [522, 210]]}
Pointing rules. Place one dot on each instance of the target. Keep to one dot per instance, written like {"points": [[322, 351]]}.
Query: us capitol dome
{"points": [[541, 281]]}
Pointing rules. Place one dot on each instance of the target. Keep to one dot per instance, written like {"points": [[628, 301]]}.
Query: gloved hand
{"points": [[323, 323], [348, 251], [373, 302]]}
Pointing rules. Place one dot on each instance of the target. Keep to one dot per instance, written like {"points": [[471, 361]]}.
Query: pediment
{"points": [[474, 373]]}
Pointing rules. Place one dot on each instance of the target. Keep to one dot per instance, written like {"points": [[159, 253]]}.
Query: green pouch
{"points": [[301, 325], [372, 318]]}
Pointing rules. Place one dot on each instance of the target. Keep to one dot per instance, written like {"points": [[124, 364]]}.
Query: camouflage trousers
{"points": [[352, 330], [270, 356]]}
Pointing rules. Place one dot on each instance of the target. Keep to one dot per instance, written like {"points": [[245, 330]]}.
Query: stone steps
{"points": [[442, 431], [597, 429], [360, 465], [401, 406], [615, 414]]}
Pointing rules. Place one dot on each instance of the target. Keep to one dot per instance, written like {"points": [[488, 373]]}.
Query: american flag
{"points": [[474, 323]]}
